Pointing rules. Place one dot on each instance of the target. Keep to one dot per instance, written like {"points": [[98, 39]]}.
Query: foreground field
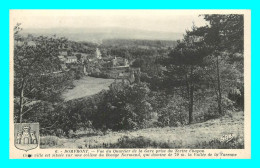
{"points": [[86, 86], [200, 135]]}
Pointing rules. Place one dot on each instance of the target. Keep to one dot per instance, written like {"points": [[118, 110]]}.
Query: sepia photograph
{"points": [[129, 79]]}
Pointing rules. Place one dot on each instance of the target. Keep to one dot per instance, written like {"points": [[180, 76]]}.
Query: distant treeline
{"points": [[134, 42]]}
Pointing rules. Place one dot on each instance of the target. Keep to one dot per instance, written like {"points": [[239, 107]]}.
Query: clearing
{"points": [[86, 86]]}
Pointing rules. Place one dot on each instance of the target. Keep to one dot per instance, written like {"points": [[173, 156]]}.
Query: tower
{"points": [[19, 137], [126, 63], [131, 77], [98, 54], [26, 136], [33, 136], [114, 62]]}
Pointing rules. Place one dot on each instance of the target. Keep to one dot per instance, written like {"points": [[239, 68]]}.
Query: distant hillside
{"points": [[132, 43], [99, 34]]}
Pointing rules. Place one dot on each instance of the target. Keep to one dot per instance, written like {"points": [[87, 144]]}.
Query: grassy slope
{"points": [[184, 137], [87, 86]]}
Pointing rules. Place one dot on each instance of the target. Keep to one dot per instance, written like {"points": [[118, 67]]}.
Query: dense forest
{"points": [[192, 80]]}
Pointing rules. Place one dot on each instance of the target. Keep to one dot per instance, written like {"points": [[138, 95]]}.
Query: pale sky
{"points": [[155, 20]]}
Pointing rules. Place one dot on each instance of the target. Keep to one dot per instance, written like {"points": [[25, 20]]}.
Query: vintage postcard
{"points": [[130, 84]]}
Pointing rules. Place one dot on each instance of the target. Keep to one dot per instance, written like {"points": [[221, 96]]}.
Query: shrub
{"points": [[60, 133], [227, 104], [49, 141], [212, 112], [71, 134], [174, 114]]}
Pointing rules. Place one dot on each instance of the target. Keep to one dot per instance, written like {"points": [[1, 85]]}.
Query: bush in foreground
{"points": [[49, 141]]}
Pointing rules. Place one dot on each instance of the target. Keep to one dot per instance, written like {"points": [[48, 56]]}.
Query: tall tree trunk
{"points": [[20, 113], [190, 89], [219, 89], [191, 104]]}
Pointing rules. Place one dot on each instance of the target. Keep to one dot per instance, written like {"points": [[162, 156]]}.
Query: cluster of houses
{"points": [[96, 65], [77, 59], [115, 62], [90, 64]]}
